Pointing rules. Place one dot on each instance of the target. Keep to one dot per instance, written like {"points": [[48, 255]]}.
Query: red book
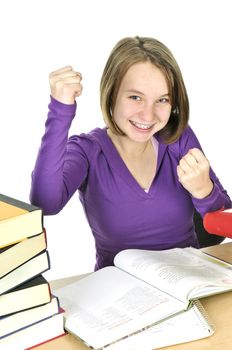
{"points": [[219, 222]]}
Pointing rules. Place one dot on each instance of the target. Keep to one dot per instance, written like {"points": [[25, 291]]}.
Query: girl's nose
{"points": [[147, 114]]}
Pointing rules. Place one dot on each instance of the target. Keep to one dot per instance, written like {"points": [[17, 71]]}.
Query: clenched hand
{"points": [[65, 84], [193, 173]]}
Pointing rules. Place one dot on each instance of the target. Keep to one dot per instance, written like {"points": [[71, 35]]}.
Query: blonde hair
{"points": [[130, 51]]}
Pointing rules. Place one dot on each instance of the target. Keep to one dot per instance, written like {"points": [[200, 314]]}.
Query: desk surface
{"points": [[219, 308]]}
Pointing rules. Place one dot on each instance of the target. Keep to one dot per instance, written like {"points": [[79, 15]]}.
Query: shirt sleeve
{"points": [[218, 198], [61, 166]]}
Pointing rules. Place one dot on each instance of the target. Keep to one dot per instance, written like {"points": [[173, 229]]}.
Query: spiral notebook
{"points": [[187, 326]]}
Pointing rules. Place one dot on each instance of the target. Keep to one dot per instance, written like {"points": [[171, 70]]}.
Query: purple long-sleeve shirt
{"points": [[120, 213]]}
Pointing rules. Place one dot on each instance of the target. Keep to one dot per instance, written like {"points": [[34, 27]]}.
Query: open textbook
{"points": [[142, 291]]}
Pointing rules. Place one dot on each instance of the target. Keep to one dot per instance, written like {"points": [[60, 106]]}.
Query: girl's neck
{"points": [[127, 147]]}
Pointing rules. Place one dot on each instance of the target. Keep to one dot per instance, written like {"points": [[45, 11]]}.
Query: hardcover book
{"points": [[18, 220], [17, 254], [32, 293], [19, 320], [35, 335], [30, 269]]}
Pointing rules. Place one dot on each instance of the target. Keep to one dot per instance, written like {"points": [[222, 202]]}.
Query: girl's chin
{"points": [[139, 138]]}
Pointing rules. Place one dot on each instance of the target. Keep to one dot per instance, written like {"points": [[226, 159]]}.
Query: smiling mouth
{"points": [[141, 126]]}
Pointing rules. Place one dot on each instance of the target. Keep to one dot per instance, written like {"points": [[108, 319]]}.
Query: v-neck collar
{"points": [[117, 163]]}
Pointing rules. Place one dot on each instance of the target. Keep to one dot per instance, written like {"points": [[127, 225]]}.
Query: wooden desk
{"points": [[219, 308]]}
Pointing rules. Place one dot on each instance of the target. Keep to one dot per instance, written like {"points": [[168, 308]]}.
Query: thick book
{"points": [[18, 220], [32, 293], [17, 254], [142, 289], [30, 269], [20, 320], [36, 334]]}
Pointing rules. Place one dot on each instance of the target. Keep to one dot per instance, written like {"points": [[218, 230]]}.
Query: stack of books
{"points": [[29, 313]]}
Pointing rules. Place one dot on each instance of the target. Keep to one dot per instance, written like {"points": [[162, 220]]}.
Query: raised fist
{"points": [[65, 85]]}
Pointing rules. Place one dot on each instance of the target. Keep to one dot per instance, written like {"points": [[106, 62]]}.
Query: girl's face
{"points": [[143, 103]]}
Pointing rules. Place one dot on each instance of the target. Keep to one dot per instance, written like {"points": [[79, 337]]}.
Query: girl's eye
{"points": [[136, 98], [164, 100]]}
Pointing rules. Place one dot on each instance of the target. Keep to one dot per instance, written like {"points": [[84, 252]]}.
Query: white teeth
{"points": [[142, 126]]}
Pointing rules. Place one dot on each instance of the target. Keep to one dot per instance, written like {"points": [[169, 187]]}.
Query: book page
{"points": [[110, 304], [188, 326], [180, 272]]}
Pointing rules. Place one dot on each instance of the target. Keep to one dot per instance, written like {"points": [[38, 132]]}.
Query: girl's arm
{"points": [[198, 178], [60, 167]]}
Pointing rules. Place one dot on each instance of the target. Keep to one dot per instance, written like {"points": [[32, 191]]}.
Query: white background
{"points": [[37, 37]]}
